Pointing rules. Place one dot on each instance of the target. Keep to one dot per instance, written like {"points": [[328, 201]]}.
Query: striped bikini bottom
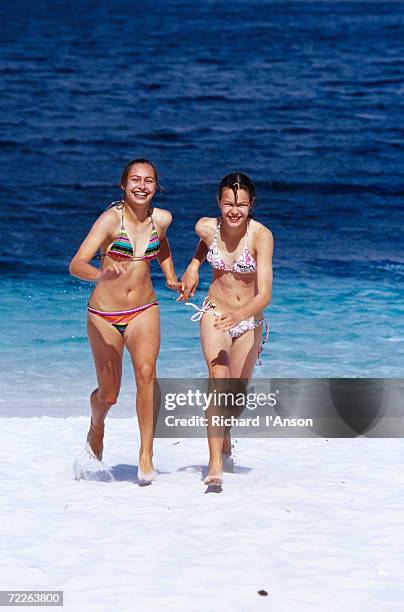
{"points": [[120, 318]]}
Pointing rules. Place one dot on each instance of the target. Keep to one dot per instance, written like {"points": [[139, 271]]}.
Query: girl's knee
{"points": [[219, 371], [145, 373]]}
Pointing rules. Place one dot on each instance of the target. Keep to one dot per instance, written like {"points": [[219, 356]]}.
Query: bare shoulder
{"points": [[260, 233], [108, 220], [206, 228], [162, 217]]}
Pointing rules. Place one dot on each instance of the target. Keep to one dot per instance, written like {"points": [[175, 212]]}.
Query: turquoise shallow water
{"points": [[319, 328], [306, 97]]}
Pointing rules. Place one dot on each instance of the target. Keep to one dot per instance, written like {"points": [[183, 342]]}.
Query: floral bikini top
{"points": [[122, 249], [245, 264]]}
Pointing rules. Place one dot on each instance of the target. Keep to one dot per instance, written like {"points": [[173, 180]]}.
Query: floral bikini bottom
{"points": [[238, 330]]}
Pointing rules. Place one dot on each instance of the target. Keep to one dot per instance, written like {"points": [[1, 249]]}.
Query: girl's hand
{"points": [[174, 284], [227, 320], [113, 272], [189, 284]]}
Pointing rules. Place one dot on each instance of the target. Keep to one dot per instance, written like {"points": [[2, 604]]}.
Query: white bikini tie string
{"points": [[207, 304]]}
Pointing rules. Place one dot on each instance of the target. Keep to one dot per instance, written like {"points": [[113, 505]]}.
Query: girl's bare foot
{"points": [[215, 474], [95, 438], [146, 472]]}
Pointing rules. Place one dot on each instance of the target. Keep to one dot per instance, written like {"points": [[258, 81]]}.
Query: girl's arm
{"points": [[164, 257], [80, 264], [190, 279], [167, 265]]}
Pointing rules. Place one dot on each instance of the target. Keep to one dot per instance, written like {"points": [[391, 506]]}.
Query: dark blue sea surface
{"points": [[307, 97]]}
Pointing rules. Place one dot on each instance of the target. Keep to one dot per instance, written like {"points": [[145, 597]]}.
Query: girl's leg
{"points": [[142, 339], [243, 357], [216, 346], [107, 346], [244, 353]]}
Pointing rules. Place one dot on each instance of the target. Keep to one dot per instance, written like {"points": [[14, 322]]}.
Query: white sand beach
{"points": [[315, 523]]}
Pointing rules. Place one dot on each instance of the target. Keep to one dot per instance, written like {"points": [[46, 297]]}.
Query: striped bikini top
{"points": [[245, 263], [122, 248]]}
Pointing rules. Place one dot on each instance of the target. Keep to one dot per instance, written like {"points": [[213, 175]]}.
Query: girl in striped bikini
{"points": [[123, 310]]}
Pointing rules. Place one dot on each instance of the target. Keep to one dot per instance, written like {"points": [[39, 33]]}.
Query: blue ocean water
{"points": [[306, 97]]}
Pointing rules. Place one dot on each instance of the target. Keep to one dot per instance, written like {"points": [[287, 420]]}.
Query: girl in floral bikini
{"points": [[239, 249]]}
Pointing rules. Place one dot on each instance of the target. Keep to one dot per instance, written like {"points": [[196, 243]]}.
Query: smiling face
{"points": [[141, 184], [234, 208]]}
